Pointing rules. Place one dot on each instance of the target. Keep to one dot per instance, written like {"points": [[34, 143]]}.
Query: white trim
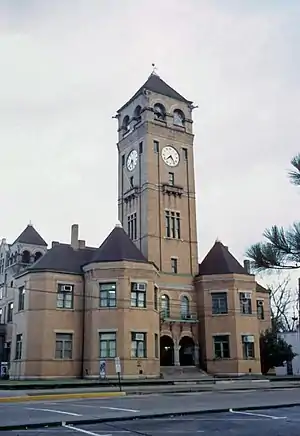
{"points": [[221, 334], [64, 331], [107, 330]]}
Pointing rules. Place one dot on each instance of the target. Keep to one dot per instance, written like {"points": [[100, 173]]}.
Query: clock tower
{"points": [[156, 183]]}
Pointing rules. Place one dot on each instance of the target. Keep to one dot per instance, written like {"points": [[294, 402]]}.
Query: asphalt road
{"points": [[269, 422], [134, 406]]}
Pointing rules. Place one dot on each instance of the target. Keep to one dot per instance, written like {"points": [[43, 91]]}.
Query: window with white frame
{"points": [[245, 303], [108, 344], [138, 345], [219, 303], [108, 296], [19, 342], [260, 309], [221, 347], [64, 346], [184, 307], [138, 294], [65, 296], [248, 347]]}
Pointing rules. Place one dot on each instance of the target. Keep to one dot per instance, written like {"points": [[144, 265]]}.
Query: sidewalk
{"points": [[108, 391]]}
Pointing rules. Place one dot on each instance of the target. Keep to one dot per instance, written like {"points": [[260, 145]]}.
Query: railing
{"points": [[190, 317]]}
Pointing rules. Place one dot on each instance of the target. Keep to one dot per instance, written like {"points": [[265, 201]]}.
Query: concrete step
{"points": [[182, 372]]}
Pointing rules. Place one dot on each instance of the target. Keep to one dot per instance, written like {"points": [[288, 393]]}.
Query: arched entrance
{"points": [[166, 351], [186, 351]]}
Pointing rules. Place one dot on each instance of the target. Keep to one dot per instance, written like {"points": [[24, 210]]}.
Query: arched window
{"points": [[137, 114], [26, 257], [184, 307], [165, 305], [37, 255], [125, 125], [178, 118], [159, 112]]}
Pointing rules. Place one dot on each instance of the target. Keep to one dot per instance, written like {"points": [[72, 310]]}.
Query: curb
{"points": [[140, 417], [46, 397]]}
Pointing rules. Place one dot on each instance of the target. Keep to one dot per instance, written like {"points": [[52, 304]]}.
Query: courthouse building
{"points": [[142, 295]]}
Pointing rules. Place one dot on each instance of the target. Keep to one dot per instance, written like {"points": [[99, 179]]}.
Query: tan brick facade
{"points": [[151, 307]]}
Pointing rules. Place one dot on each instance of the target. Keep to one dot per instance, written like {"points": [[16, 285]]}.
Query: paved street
{"points": [[275, 422], [135, 406]]}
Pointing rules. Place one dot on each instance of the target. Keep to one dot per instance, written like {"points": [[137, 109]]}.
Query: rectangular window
{"points": [[65, 297], [174, 265], [171, 179], [260, 309], [140, 147], [156, 146], [131, 182], [131, 224], [219, 303], [10, 310], [1, 316], [245, 303], [138, 294], [138, 345], [155, 298], [21, 299], [18, 353], [123, 160], [108, 345], [156, 347], [108, 295], [248, 347], [64, 346], [172, 224], [185, 153], [221, 347]]}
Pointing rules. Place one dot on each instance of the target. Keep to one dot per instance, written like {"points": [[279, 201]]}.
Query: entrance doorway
{"points": [[186, 351], [166, 351]]}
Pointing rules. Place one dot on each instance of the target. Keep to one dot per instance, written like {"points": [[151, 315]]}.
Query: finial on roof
{"points": [[154, 69], [30, 223]]}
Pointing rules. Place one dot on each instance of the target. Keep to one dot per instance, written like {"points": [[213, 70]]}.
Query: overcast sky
{"points": [[66, 66]]}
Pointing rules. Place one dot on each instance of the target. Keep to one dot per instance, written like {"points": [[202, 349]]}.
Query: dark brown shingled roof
{"points": [[157, 85], [63, 258], [118, 247], [219, 260], [30, 236]]}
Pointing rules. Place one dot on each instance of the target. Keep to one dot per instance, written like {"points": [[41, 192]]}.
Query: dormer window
{"points": [[126, 125], [159, 112], [178, 118]]}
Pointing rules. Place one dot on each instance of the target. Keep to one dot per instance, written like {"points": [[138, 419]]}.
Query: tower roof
{"points": [[30, 236], [219, 260], [118, 247], [157, 85]]}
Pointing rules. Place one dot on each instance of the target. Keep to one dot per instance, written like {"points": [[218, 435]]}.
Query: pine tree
{"points": [[281, 250]]}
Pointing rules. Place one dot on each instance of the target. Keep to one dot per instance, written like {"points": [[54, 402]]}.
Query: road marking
{"points": [[81, 430], [53, 411], [256, 414], [120, 409], [238, 391]]}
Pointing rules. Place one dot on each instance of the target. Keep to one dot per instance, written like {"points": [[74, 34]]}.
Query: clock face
{"points": [[132, 160], [170, 156]]}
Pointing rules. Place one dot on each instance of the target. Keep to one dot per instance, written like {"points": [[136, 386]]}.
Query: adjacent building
{"points": [[142, 295]]}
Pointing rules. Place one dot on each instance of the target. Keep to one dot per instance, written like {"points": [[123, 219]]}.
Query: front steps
{"points": [[182, 372]]}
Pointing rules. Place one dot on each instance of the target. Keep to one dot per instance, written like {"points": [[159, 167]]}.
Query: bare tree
{"points": [[284, 304]]}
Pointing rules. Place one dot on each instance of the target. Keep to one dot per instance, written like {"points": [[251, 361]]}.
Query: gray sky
{"points": [[67, 65]]}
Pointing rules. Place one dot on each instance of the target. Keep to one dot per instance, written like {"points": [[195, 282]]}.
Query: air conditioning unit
{"points": [[260, 303], [141, 286], [139, 337], [67, 288], [249, 339]]}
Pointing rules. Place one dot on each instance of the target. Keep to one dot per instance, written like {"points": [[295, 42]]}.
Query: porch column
{"points": [[176, 353], [196, 354]]}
